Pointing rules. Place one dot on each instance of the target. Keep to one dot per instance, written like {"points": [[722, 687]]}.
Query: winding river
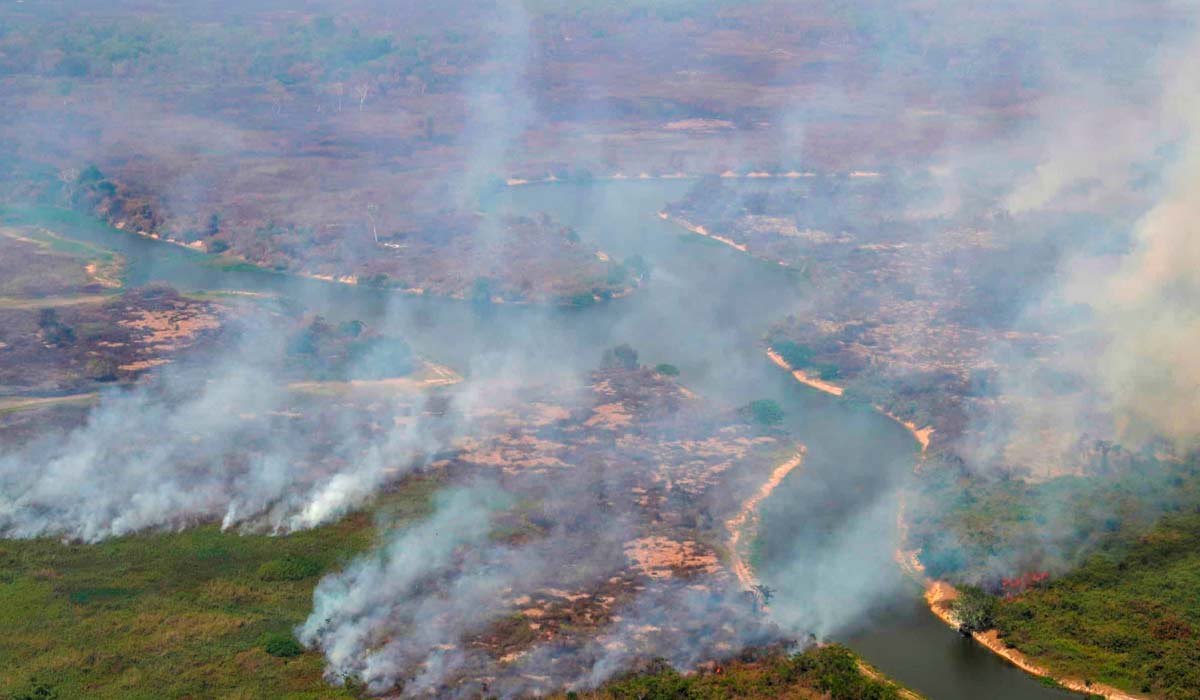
{"points": [[827, 532]]}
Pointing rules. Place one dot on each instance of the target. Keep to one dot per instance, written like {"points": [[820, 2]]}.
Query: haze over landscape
{"points": [[646, 349]]}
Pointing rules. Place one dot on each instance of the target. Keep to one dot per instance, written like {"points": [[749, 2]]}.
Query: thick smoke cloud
{"points": [[402, 592], [397, 618], [1148, 316], [1120, 309], [186, 449]]}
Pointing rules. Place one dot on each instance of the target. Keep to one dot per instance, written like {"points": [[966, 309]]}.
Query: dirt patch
{"points": [[171, 328], [660, 557]]}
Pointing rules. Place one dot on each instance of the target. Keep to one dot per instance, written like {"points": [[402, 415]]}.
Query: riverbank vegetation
{"points": [[821, 672], [1130, 620], [1091, 578], [991, 529]]}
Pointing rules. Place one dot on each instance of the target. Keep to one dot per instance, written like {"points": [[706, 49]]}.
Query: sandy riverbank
{"points": [[701, 231], [805, 378], [921, 435], [743, 526], [940, 595]]}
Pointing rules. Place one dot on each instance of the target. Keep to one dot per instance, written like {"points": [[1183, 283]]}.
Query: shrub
{"points": [[581, 299], [667, 370], [101, 369], [38, 690], [836, 671], [99, 594], [282, 646], [289, 568]]}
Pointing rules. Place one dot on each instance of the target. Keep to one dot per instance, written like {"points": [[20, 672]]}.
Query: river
{"points": [[828, 530]]}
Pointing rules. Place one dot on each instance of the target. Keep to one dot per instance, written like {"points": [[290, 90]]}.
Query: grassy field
{"points": [[195, 614], [1130, 621]]}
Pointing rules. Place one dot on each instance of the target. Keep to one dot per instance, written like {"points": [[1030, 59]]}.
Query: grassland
{"points": [[175, 615]]}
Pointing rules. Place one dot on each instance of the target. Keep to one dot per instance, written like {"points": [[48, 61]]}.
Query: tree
{"points": [[620, 357], [667, 370], [54, 332], [763, 412], [372, 210], [101, 369], [338, 90], [481, 290], [975, 609], [796, 355]]}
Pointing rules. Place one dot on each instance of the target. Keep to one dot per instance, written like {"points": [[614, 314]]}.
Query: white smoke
{"points": [[181, 450]]}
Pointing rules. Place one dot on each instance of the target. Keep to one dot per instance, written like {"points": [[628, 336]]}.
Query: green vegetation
{"points": [[1126, 614], [1130, 621], [975, 609], [283, 646], [482, 291], [289, 568], [580, 299], [667, 370], [820, 672], [763, 412], [973, 529], [795, 354], [200, 613], [803, 357]]}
